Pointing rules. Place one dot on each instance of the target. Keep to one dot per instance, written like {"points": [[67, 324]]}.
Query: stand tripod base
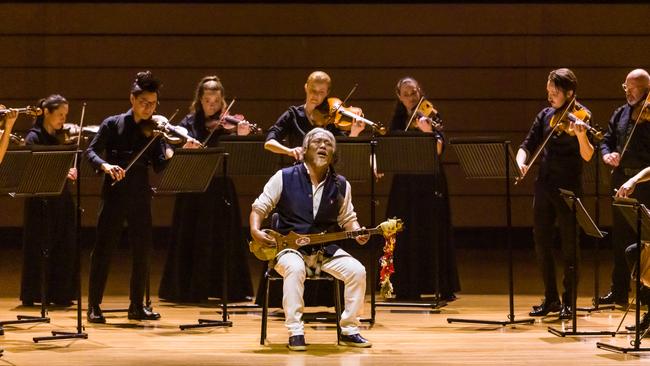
{"points": [[206, 323], [565, 333], [23, 319], [597, 308], [433, 306], [56, 335], [619, 349], [492, 322]]}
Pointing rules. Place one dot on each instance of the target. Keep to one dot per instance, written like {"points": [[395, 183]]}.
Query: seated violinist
{"points": [[298, 120], [205, 223], [8, 120]]}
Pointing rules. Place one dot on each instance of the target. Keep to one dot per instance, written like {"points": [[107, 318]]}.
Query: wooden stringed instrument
{"points": [[295, 241]]}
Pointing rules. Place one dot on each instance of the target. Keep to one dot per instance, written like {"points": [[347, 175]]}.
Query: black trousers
{"points": [[623, 235], [631, 258], [548, 207], [130, 201]]}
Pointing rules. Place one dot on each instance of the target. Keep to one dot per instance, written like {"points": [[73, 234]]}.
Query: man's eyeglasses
{"points": [[146, 104]]}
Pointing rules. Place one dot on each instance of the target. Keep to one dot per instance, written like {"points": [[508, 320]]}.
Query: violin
{"points": [[561, 121], [333, 111], [230, 123], [13, 138], [427, 110], [158, 124], [29, 110]]}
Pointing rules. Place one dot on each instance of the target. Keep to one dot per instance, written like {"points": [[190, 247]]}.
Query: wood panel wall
{"points": [[483, 66]]}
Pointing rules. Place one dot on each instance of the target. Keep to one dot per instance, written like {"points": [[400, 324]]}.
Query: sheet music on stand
{"points": [[586, 223], [12, 169], [627, 207], [353, 158], [401, 153], [247, 156], [472, 152], [190, 170], [46, 170]]}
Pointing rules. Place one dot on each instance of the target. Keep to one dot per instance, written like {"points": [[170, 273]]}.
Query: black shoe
{"points": [[355, 340], [565, 313], [612, 298], [297, 343], [546, 307], [140, 312], [643, 325], [95, 315]]}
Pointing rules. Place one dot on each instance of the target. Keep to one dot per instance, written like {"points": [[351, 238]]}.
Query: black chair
{"points": [[272, 275]]}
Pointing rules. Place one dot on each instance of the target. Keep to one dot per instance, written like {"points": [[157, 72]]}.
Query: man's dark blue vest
{"points": [[295, 206]]}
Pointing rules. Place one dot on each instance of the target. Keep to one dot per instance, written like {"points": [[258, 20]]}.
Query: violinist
{"points": [[298, 120], [626, 148], [49, 223], [560, 166], [119, 139], [423, 202], [9, 119], [205, 223]]}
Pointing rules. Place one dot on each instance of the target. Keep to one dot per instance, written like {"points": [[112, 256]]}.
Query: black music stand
{"points": [[492, 158], [412, 152], [39, 173], [638, 217], [353, 157], [190, 171], [591, 174], [584, 221]]}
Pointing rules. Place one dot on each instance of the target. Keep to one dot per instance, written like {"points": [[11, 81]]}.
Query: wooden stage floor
{"points": [[399, 337]]}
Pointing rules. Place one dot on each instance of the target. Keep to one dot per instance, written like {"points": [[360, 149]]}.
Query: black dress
{"points": [[203, 223], [49, 224], [422, 201]]}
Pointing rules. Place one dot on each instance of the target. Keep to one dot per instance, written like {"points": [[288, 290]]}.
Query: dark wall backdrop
{"points": [[483, 66]]}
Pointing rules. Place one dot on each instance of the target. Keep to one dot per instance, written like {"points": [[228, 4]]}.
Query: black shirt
{"points": [[560, 162], [122, 139], [637, 154], [37, 135], [294, 125], [195, 125]]}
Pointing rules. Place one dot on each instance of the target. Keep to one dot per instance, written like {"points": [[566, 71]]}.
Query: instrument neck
{"points": [[329, 237]]}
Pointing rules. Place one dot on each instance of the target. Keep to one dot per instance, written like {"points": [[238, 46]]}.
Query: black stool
{"points": [[271, 275]]}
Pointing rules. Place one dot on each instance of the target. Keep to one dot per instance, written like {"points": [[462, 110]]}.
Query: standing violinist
{"points": [[298, 120], [626, 162], [9, 120], [49, 223], [423, 202], [121, 137], [560, 166], [204, 224]]}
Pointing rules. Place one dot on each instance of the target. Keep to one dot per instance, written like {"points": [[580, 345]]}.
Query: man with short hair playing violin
{"points": [[298, 120], [560, 166], [626, 148], [311, 198]]}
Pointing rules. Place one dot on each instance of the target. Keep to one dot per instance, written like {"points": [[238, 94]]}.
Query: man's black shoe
{"points": [[139, 312], [546, 307], [645, 323], [565, 313], [354, 340], [95, 315], [612, 298], [297, 343]]}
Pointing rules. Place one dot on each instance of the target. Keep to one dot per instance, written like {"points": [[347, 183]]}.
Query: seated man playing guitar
{"points": [[311, 198]]}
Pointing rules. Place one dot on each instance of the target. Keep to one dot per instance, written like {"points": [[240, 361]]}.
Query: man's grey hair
{"points": [[310, 136]]}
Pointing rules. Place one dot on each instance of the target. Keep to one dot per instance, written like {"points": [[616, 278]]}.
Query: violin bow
{"points": [[205, 142], [81, 125], [638, 118], [414, 113]]}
